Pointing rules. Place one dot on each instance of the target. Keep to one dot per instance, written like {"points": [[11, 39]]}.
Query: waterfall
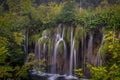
{"points": [[98, 60], [71, 52], [75, 61], [40, 53], [90, 48], [59, 39], [63, 56], [58, 35], [63, 33], [36, 51], [82, 52], [56, 52]]}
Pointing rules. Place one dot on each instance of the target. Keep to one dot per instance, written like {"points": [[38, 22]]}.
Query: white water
{"points": [[90, 47], [59, 39], [55, 54], [75, 61], [38, 50], [98, 59], [71, 52]]}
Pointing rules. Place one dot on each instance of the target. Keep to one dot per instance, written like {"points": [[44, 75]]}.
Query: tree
{"points": [[68, 12]]}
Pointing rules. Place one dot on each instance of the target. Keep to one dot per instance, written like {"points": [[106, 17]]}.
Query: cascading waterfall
{"points": [[40, 53], [55, 54], [71, 52], [64, 56], [59, 39]]}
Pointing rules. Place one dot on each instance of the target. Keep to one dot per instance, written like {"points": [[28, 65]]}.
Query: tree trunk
{"points": [[26, 42]]}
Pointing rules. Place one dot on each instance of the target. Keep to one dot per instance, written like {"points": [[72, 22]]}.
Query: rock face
{"points": [[66, 48]]}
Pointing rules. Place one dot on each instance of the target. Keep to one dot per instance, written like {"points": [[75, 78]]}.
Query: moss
{"points": [[76, 44], [51, 32], [81, 30], [103, 49], [33, 38], [42, 40], [79, 34], [68, 35], [50, 46], [61, 47]]}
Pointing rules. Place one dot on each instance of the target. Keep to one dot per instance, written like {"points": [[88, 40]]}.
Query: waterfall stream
{"points": [[90, 47], [71, 52], [98, 59]]}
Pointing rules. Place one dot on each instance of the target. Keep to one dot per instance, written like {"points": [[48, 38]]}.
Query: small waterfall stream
{"points": [[75, 61], [90, 47], [40, 50], [71, 52], [98, 59]]}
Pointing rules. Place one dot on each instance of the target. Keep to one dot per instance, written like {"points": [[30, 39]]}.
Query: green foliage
{"points": [[3, 53], [34, 38], [111, 67], [113, 46], [81, 31], [5, 71], [98, 73], [1, 10], [23, 70], [79, 72], [11, 41], [114, 20], [16, 57], [47, 14], [20, 6], [50, 45], [27, 6], [18, 36], [42, 64], [114, 71], [3, 50], [67, 34], [61, 47], [4, 67], [25, 14], [80, 16], [68, 12]]}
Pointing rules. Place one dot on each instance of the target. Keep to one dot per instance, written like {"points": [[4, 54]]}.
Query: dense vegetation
{"points": [[21, 23]]}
